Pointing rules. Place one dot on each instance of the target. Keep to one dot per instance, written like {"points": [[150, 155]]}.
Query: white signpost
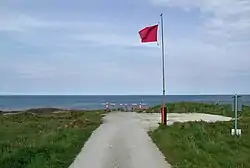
{"points": [[236, 107]]}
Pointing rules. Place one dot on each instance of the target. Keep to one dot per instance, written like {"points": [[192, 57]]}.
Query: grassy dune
{"points": [[199, 144], [44, 140]]}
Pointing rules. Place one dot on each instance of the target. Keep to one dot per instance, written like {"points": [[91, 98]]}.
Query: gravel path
{"points": [[122, 141]]}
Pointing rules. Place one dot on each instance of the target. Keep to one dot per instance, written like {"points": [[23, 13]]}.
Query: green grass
{"points": [[196, 107], [204, 145], [44, 140]]}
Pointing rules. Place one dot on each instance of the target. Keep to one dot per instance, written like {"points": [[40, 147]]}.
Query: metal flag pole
{"points": [[163, 109]]}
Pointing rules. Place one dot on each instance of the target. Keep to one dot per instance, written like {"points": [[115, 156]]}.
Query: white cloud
{"points": [[21, 22], [226, 20], [44, 32], [112, 39], [218, 57], [68, 74], [84, 52], [96, 56]]}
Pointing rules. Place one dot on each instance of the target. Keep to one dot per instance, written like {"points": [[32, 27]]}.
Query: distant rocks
{"points": [[43, 110], [35, 111]]}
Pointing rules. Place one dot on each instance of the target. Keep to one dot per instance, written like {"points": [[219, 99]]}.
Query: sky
{"points": [[93, 47]]}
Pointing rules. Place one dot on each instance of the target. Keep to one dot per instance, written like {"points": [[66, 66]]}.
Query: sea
{"points": [[88, 102]]}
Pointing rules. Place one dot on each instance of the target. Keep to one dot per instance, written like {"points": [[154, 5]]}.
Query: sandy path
{"points": [[122, 141]]}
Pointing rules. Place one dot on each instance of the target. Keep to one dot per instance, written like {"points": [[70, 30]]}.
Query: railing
{"points": [[124, 106]]}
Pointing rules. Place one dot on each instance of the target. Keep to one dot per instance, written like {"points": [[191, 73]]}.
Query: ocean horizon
{"points": [[92, 102]]}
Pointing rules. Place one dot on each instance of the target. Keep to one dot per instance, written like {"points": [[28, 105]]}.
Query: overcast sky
{"points": [[93, 47]]}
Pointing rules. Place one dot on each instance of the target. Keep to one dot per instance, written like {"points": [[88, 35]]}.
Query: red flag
{"points": [[149, 34]]}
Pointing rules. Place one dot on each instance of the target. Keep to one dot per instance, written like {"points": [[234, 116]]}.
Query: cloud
{"points": [[225, 20], [63, 51], [218, 54], [34, 31], [77, 76]]}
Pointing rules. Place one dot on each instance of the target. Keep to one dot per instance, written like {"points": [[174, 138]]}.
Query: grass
{"points": [[196, 107], [44, 140], [206, 145]]}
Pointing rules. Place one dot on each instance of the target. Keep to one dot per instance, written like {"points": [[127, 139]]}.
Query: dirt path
{"points": [[121, 142]]}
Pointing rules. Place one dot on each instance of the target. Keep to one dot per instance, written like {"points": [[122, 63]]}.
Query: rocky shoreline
{"points": [[36, 111]]}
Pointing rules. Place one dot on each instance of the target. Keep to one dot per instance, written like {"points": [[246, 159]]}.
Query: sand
{"points": [[122, 141]]}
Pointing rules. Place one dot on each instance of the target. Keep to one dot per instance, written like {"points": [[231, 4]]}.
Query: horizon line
{"points": [[207, 94]]}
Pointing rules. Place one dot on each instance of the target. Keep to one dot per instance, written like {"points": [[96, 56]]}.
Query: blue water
{"points": [[96, 102]]}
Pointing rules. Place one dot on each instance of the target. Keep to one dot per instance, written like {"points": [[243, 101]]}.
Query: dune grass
{"points": [[206, 145], [44, 140], [196, 107]]}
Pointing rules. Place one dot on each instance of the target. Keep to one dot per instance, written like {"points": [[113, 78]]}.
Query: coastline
{"points": [[44, 111], [96, 102], [59, 123], [183, 106]]}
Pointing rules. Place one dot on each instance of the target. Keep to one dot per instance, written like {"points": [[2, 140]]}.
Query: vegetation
{"points": [[206, 145], [44, 140], [196, 107]]}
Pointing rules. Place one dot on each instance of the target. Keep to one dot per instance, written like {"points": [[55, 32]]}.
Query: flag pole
{"points": [[163, 108]]}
